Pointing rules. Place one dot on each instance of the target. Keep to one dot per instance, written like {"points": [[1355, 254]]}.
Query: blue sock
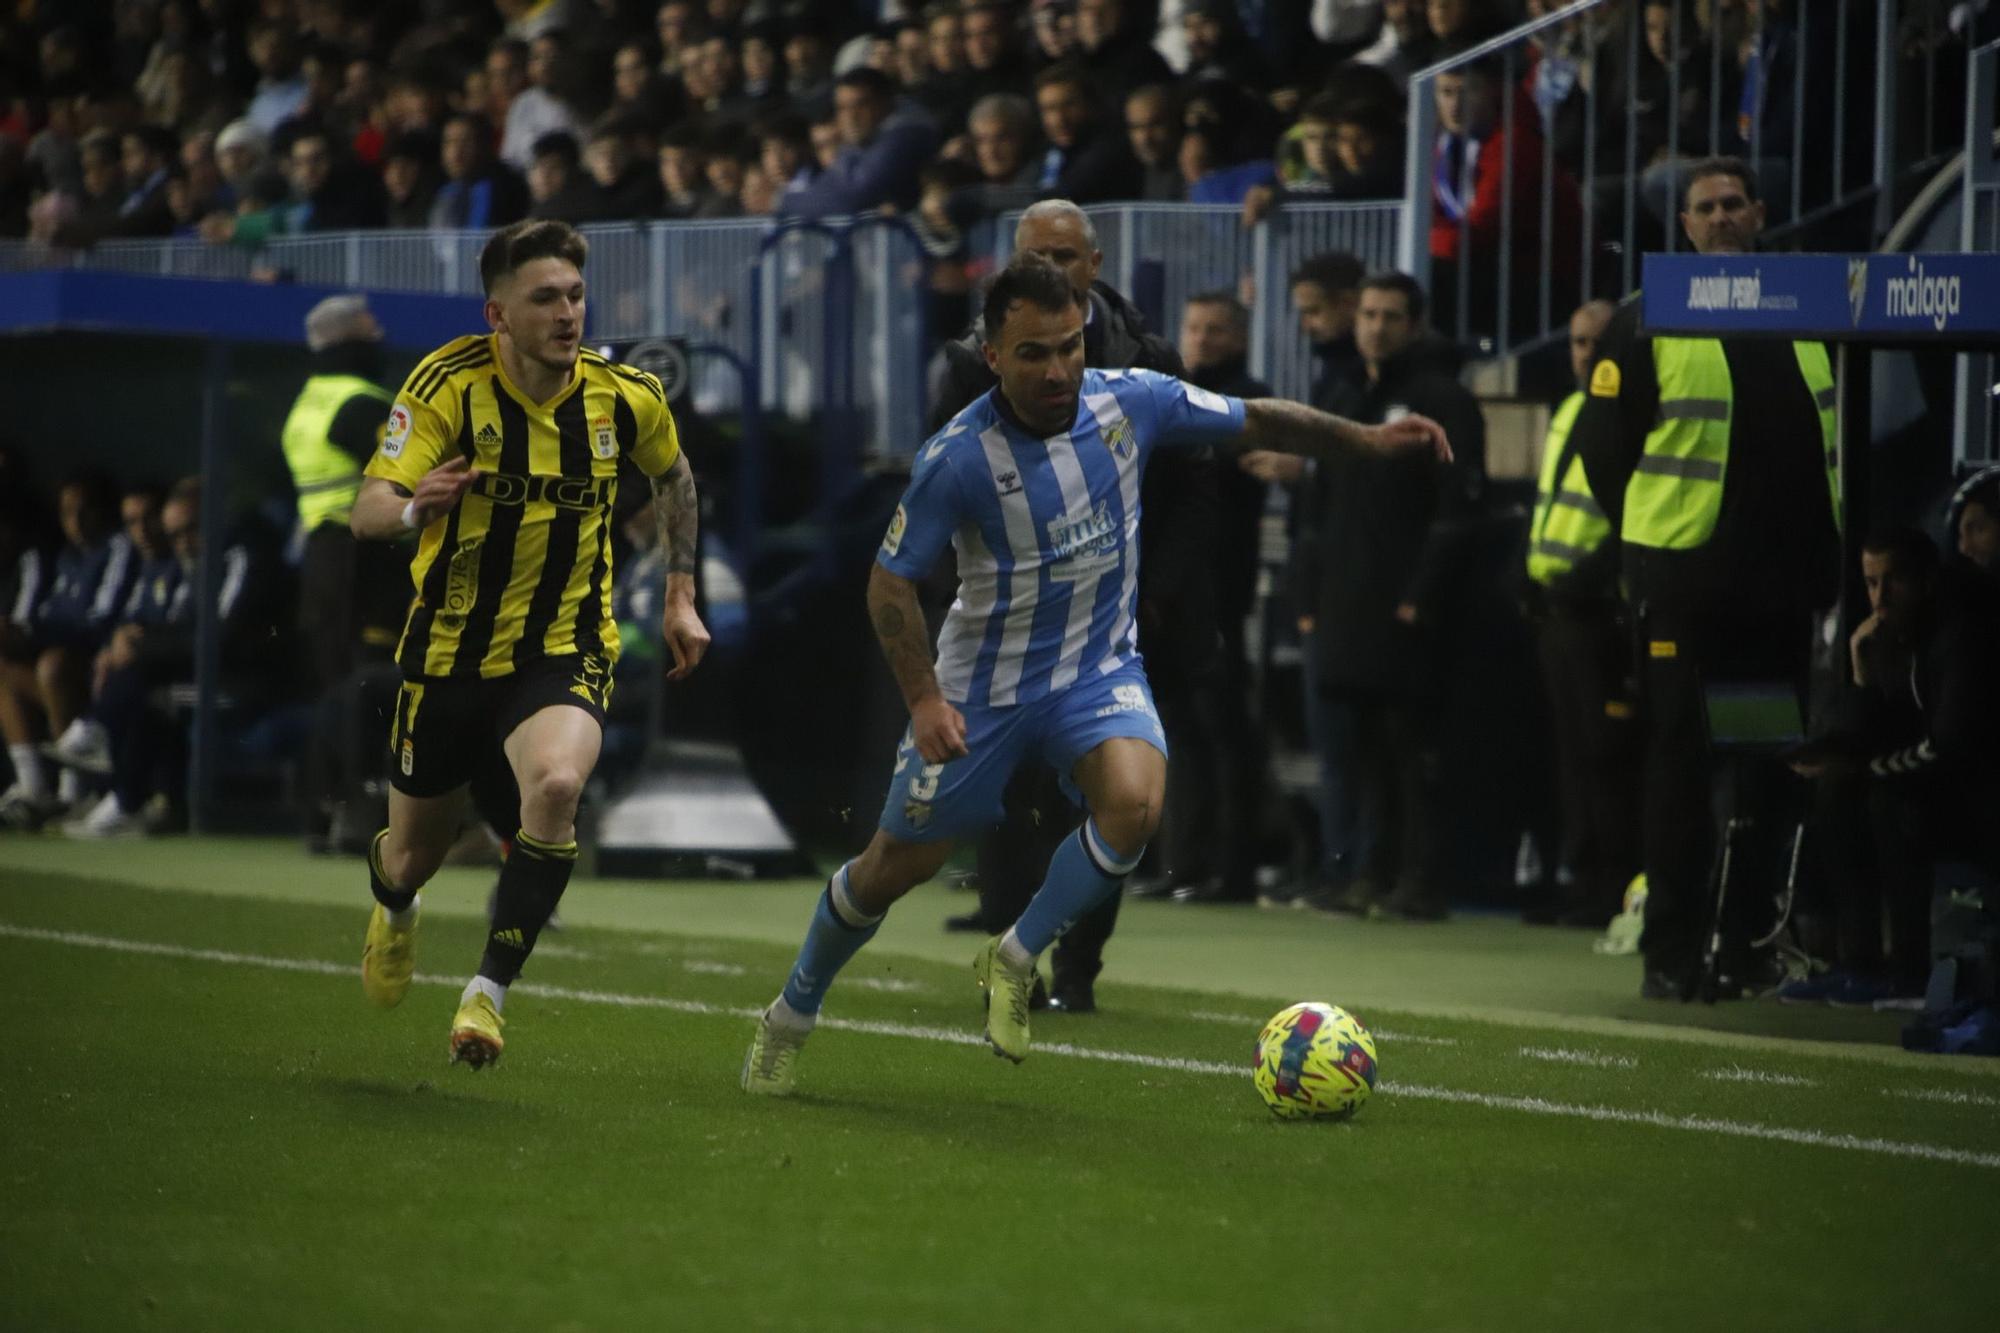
{"points": [[1084, 872], [839, 929]]}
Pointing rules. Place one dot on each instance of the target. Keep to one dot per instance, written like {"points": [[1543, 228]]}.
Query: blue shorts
{"points": [[933, 802]]}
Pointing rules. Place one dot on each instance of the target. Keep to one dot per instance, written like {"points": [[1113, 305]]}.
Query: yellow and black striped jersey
{"points": [[520, 568]]}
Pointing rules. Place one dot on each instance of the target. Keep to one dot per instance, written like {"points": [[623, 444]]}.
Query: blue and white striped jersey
{"points": [[1046, 531]]}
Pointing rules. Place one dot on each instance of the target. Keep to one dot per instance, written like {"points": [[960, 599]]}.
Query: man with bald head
{"points": [[1584, 645], [1177, 621]]}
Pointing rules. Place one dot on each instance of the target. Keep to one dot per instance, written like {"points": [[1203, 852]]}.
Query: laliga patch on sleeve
{"points": [[396, 432], [1605, 381], [1206, 401], [892, 540]]}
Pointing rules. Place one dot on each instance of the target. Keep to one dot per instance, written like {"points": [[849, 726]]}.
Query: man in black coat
{"points": [[1384, 540], [1177, 633]]}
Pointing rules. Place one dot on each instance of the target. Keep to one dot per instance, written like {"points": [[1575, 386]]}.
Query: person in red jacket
{"points": [[1476, 152]]}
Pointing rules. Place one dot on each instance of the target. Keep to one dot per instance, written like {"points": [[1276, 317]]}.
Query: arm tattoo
{"points": [[899, 628], [678, 513], [1294, 428]]}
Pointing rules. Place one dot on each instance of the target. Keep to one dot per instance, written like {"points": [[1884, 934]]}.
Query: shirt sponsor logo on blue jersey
{"points": [[1086, 546]]}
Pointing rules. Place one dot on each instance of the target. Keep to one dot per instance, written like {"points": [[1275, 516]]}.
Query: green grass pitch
{"points": [[205, 1126]]}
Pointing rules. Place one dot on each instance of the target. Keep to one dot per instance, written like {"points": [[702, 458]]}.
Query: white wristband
{"points": [[410, 516]]}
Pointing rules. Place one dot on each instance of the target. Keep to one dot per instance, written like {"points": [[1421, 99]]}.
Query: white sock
{"points": [[69, 787], [1014, 955], [785, 1016], [406, 918], [28, 772], [488, 987]]}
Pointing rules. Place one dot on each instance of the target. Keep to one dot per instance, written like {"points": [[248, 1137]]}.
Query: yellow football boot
{"points": [[388, 960], [1007, 997], [475, 1032]]}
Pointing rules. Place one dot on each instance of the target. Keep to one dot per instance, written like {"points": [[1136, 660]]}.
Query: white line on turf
{"points": [[1567, 1055], [1697, 1124], [1951, 1096], [713, 969], [1738, 1074]]}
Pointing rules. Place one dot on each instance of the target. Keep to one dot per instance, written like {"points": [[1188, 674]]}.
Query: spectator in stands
{"points": [[638, 93], [1385, 543], [1346, 148], [240, 150], [729, 152], [147, 155], [885, 145], [763, 67], [478, 193], [1476, 153], [328, 196], [1218, 46], [62, 612], [15, 192], [679, 25], [1053, 24], [1214, 777], [506, 79], [557, 185], [1974, 521], [713, 81], [809, 69], [104, 191], [1002, 136], [1460, 23], [281, 89], [1116, 50], [1405, 44], [627, 182], [785, 152], [1153, 128], [683, 170], [1087, 161], [992, 62], [537, 110], [827, 144], [409, 181], [206, 190]]}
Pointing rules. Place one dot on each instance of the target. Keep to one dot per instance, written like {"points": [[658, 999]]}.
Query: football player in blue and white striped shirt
{"points": [[1036, 486]]}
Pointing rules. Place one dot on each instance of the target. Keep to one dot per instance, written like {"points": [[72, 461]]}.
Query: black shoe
{"points": [[1211, 892], [1073, 995], [1664, 983], [970, 923]]}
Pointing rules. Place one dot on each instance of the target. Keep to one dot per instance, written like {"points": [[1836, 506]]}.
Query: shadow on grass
{"points": [[398, 1097]]}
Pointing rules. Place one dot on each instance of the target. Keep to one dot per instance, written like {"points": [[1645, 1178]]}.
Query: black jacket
{"points": [[1388, 531], [1177, 618], [1239, 501]]}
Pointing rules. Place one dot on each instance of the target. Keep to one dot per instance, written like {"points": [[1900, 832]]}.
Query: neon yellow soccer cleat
{"points": [[1007, 995], [388, 959], [475, 1033], [767, 1069]]}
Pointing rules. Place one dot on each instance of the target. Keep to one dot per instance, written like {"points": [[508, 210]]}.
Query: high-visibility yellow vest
{"points": [[1569, 523], [326, 476], [1675, 494]]}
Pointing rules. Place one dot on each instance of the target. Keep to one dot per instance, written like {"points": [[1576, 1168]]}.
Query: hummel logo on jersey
{"points": [[511, 937], [487, 435], [1009, 483]]}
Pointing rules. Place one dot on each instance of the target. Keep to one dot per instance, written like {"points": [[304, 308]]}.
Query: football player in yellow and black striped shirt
{"points": [[504, 451]]}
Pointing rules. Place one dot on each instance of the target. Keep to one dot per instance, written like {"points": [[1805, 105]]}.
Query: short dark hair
{"points": [[870, 80], [1323, 107], [525, 242], [560, 144], [1411, 289], [1031, 278], [1064, 71], [1911, 552], [1720, 166], [1239, 314], [1332, 270]]}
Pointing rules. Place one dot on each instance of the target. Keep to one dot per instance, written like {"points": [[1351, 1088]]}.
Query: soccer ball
{"points": [[1314, 1061]]}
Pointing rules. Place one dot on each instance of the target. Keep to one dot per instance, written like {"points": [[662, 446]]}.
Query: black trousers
{"points": [[1681, 820], [1014, 859], [1585, 655], [1393, 781], [1867, 846], [1214, 777]]}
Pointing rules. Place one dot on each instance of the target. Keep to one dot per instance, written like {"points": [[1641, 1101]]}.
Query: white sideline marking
{"points": [[713, 969], [1738, 1074], [1949, 1095], [1566, 1055], [1380, 1034], [1741, 1129], [547, 950], [893, 985]]}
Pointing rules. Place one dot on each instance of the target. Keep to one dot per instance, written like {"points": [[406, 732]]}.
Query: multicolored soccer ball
{"points": [[1314, 1061]]}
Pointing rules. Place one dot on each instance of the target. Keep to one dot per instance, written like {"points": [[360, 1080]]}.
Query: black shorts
{"points": [[448, 733]]}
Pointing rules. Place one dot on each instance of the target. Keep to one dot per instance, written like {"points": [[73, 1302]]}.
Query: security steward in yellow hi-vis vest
{"points": [[1715, 460], [1584, 643], [351, 596]]}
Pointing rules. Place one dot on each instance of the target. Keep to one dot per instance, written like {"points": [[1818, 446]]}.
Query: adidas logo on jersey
{"points": [[487, 435]]}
